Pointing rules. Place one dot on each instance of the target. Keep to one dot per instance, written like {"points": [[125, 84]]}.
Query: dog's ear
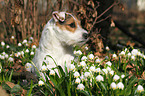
{"points": [[59, 16]]}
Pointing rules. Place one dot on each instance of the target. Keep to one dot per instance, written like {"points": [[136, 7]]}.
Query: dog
{"points": [[58, 38]]}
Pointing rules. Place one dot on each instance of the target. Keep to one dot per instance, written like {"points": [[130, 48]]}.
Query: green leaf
{"points": [[6, 87], [16, 88], [84, 93]]}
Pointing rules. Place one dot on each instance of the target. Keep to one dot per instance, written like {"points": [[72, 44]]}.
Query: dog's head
{"points": [[68, 29]]}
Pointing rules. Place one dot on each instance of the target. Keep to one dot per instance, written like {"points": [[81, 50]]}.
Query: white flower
{"points": [[79, 52], [81, 87], [44, 68], [105, 71], [86, 48], [91, 56], [140, 89], [116, 77], [0, 70], [24, 41], [28, 66], [6, 55], [92, 68], [31, 38], [22, 52], [52, 72], [107, 48], [114, 56], [87, 74], [122, 76], [76, 74], [11, 59], [2, 57], [82, 77], [19, 44], [120, 85], [34, 46], [134, 52], [40, 83], [32, 53], [77, 80], [129, 54], [72, 67], [98, 61], [3, 43], [111, 72], [108, 69], [7, 46], [132, 57], [12, 37], [122, 53], [27, 51], [84, 58], [83, 63], [99, 78], [98, 70], [109, 63], [113, 85]]}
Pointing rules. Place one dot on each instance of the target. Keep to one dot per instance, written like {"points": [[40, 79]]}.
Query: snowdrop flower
{"points": [[40, 83], [87, 74], [12, 37], [114, 56], [129, 54], [116, 77], [98, 61], [2, 57], [77, 80], [34, 46], [3, 43], [22, 52], [72, 67], [122, 53], [44, 68], [92, 68], [11, 59], [27, 51], [31, 38], [28, 66], [111, 72], [86, 48], [82, 77], [32, 53], [134, 52], [113, 85], [7, 46], [140, 89], [19, 44], [105, 71], [107, 48], [99, 78], [83, 63], [24, 41], [6, 55], [120, 85], [132, 57], [108, 69], [122, 76], [81, 87], [0, 70], [52, 72], [79, 52], [84, 58], [109, 63], [91, 56], [76, 74], [98, 70]]}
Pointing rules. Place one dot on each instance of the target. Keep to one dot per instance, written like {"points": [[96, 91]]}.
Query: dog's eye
{"points": [[72, 25]]}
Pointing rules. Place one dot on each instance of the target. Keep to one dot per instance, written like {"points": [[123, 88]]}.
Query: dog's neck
{"points": [[51, 44]]}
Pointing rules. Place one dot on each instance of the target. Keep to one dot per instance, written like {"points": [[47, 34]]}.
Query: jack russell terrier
{"points": [[58, 38]]}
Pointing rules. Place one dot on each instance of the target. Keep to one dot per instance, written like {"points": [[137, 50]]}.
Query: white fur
{"points": [[58, 44]]}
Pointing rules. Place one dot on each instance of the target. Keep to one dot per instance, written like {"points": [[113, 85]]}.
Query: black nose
{"points": [[85, 35]]}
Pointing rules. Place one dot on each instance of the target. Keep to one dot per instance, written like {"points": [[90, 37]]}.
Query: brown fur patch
{"points": [[69, 24]]}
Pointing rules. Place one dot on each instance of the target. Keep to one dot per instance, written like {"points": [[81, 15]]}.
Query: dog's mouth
{"points": [[83, 41]]}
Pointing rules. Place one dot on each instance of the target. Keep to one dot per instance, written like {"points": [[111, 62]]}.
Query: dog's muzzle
{"points": [[85, 35]]}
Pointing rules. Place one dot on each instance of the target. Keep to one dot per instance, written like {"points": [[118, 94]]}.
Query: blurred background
{"points": [[113, 23]]}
